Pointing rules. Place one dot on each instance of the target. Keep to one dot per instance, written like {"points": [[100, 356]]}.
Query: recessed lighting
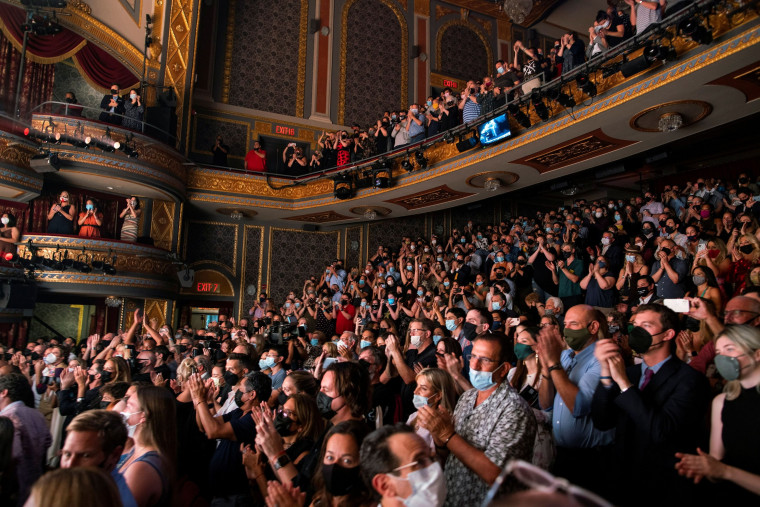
{"points": [[109, 188]]}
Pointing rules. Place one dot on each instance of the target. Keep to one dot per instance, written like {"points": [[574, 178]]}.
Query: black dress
{"points": [[741, 440], [59, 224]]}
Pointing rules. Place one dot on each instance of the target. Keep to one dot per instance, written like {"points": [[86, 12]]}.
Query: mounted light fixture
{"points": [[342, 187], [370, 214], [421, 159], [518, 115], [112, 302], [492, 184], [538, 105], [696, 31], [586, 85], [670, 122]]}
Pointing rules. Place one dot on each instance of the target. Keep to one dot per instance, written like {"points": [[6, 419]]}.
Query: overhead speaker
{"points": [[186, 277]]}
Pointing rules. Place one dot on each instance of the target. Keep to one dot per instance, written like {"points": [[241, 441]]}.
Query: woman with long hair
{"points": [[734, 439], [149, 466], [435, 388], [78, 486]]}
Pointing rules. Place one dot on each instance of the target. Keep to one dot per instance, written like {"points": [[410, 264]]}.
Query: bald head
{"points": [[742, 310]]}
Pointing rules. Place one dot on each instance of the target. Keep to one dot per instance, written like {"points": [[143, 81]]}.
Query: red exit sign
{"points": [[288, 131], [451, 84], [207, 287]]}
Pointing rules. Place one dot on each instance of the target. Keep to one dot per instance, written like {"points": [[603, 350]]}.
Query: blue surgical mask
{"points": [[479, 283], [363, 304], [267, 363], [361, 282], [500, 70], [451, 324], [365, 343], [415, 110], [420, 292], [419, 401], [436, 338], [314, 342], [499, 258], [445, 284], [391, 301], [482, 380], [410, 268], [429, 103], [391, 269], [630, 258], [495, 306], [89, 207]]}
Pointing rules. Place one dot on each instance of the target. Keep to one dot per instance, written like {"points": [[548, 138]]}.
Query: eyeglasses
{"points": [[422, 462], [546, 324], [485, 360], [286, 413], [735, 313], [538, 479]]}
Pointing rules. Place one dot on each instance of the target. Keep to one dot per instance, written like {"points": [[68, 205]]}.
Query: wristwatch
{"points": [[281, 462], [554, 367]]}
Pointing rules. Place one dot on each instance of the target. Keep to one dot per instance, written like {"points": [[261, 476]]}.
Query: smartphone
{"points": [[327, 362], [514, 322], [677, 305], [701, 247]]}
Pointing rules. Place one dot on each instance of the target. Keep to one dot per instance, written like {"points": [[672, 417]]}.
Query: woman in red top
{"points": [[90, 220]]}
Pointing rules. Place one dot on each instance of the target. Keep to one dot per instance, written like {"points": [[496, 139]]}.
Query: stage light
{"points": [[87, 141], [538, 105], [518, 115], [448, 137], [586, 85], [117, 145], [382, 175], [656, 51], [406, 164], [10, 257], [421, 159], [342, 187], [693, 29]]}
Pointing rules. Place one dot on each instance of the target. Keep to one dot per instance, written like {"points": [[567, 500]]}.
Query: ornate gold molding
{"points": [[178, 54], [241, 294], [404, 56], [156, 309], [249, 185], [162, 223], [228, 45], [468, 24], [302, 37]]}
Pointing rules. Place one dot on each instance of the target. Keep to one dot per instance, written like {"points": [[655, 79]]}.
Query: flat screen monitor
{"points": [[494, 130]]}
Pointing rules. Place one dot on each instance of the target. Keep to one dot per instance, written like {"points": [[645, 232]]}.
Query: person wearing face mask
{"points": [[491, 424], [633, 269], [569, 378], [398, 466], [237, 367], [669, 272], [731, 461], [271, 363], [599, 285], [87, 395], [131, 215], [113, 106], [61, 215], [225, 471], [597, 34], [133, 111], [656, 409], [9, 233], [90, 220], [435, 388], [415, 127], [29, 435], [423, 354], [383, 393], [150, 419], [96, 439]]}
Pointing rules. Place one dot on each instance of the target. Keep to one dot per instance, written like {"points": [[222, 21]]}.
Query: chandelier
{"points": [[492, 184], [370, 214], [518, 10], [670, 122], [113, 302]]}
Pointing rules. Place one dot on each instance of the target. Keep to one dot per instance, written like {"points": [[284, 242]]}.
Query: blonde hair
{"points": [[721, 246], [186, 368], [80, 486], [122, 372], [747, 339], [442, 382], [752, 239]]}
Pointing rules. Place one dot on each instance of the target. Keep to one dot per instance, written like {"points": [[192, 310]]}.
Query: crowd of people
{"points": [[62, 216], [530, 69], [614, 343]]}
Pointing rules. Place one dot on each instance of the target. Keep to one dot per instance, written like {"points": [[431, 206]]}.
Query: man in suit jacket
{"points": [[112, 106], [657, 408]]}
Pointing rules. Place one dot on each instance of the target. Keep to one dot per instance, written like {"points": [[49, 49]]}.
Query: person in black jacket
{"points": [[112, 106], [657, 409]]}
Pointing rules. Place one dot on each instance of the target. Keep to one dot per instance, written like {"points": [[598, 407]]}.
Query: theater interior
{"points": [[674, 104]]}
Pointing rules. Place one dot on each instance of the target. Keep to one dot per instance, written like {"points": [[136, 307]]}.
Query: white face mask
{"points": [[428, 487], [4, 220], [415, 340], [130, 427]]}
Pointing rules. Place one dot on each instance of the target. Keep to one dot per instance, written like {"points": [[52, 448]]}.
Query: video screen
{"points": [[494, 130]]}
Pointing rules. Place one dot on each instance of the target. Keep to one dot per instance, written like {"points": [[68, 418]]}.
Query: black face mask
{"points": [[469, 331], [69, 100], [230, 378], [746, 249], [114, 92], [666, 251], [283, 425], [642, 291], [567, 255], [104, 404], [105, 376], [669, 229], [339, 480], [239, 398], [640, 340], [324, 403], [282, 398]]}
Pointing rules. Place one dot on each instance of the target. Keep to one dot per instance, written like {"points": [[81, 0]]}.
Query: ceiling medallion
{"points": [[371, 212], [671, 116], [493, 180]]}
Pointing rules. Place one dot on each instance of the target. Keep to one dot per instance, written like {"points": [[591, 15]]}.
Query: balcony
{"points": [[67, 264], [620, 99]]}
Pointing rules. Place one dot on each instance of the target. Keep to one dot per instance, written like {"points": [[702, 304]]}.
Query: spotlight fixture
{"points": [[421, 159], [670, 122], [492, 184], [342, 187], [448, 137], [586, 85], [695, 30], [97, 264], [117, 145], [518, 115], [656, 51], [54, 162], [87, 141], [382, 175], [109, 270], [406, 164], [538, 104]]}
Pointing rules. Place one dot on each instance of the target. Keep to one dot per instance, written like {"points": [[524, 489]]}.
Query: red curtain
{"points": [[96, 65], [37, 82]]}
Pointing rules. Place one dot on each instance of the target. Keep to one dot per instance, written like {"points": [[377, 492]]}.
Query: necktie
{"points": [[648, 374]]}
